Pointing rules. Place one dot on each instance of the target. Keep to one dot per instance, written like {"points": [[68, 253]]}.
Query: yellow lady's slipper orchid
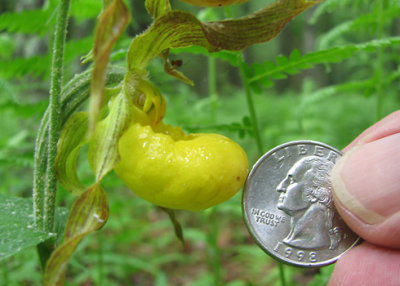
{"points": [[172, 169]]}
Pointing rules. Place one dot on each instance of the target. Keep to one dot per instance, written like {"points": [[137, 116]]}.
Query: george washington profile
{"points": [[306, 196]]}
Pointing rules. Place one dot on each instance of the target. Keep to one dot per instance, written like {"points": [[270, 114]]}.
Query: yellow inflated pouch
{"points": [[179, 171]]}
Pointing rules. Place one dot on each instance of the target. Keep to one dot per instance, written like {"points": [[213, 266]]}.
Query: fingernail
{"points": [[366, 180]]}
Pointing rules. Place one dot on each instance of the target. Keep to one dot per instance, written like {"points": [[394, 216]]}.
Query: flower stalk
{"points": [[50, 190], [45, 181]]}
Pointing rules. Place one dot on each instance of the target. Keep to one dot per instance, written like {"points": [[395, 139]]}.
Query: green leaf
{"points": [[111, 24], [72, 139], [17, 226], [256, 88], [103, 148], [295, 55], [88, 214], [246, 121], [278, 75], [256, 69], [177, 29]]}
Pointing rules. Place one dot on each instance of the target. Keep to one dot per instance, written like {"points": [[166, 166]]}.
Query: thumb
{"points": [[366, 183]]}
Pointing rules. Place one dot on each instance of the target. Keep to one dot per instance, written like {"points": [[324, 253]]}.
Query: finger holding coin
{"points": [[288, 206]]}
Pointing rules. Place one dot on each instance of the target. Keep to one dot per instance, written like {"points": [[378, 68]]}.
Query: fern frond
{"points": [[331, 6], [324, 7], [27, 22], [268, 71], [11, 157], [365, 21], [16, 68], [38, 66], [25, 110], [393, 76], [313, 98], [323, 93], [7, 91], [7, 46], [40, 21], [21, 161]]}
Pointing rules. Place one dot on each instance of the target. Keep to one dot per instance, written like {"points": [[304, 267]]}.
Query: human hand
{"points": [[366, 183]]}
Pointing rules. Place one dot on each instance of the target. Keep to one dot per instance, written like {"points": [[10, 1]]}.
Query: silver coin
{"points": [[288, 206]]}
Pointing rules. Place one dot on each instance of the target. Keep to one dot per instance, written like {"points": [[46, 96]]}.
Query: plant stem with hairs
{"points": [[45, 181]]}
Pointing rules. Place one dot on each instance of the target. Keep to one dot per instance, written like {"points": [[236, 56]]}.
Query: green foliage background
{"points": [[330, 74]]}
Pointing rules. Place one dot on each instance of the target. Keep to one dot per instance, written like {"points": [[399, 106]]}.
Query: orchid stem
{"points": [[44, 184], [55, 113], [45, 181]]}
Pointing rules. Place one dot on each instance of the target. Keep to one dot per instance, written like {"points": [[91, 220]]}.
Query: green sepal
{"points": [[177, 29], [157, 8], [73, 137], [112, 22], [169, 69], [106, 3], [88, 214], [103, 146]]}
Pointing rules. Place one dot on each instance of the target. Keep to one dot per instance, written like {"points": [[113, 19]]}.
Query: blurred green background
{"points": [[347, 80]]}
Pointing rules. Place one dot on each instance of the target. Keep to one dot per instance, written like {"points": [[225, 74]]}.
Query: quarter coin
{"points": [[288, 206]]}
